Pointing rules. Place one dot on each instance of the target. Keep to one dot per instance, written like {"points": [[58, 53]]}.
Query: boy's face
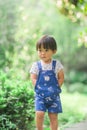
{"points": [[45, 54]]}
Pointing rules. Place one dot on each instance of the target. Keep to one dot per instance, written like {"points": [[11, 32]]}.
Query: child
{"points": [[47, 76]]}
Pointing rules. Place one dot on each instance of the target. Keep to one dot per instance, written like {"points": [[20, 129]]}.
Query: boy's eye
{"points": [[46, 50], [39, 50]]}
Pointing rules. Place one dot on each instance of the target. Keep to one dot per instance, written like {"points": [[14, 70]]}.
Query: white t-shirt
{"points": [[35, 70]]}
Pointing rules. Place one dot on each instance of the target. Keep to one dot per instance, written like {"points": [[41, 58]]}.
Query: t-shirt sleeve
{"points": [[34, 68], [59, 66]]}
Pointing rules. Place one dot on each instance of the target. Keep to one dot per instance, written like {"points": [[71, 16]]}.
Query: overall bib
{"points": [[47, 90]]}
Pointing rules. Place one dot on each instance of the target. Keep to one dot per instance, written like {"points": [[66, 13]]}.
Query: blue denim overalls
{"points": [[47, 90]]}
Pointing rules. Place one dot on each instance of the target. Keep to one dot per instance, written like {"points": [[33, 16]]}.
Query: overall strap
{"points": [[53, 65], [39, 65]]}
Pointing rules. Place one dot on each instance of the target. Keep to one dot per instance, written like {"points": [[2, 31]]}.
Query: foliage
{"points": [[74, 77], [21, 24], [76, 10], [7, 31], [20, 30], [76, 82], [16, 103]]}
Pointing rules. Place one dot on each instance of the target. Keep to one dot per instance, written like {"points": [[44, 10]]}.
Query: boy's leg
{"points": [[53, 121], [39, 119]]}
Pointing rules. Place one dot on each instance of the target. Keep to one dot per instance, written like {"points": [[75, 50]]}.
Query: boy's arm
{"points": [[33, 78], [61, 77]]}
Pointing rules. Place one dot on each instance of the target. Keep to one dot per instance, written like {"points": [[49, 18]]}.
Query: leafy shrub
{"points": [[16, 103]]}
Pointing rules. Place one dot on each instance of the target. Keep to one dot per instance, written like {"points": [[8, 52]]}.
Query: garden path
{"points": [[78, 126]]}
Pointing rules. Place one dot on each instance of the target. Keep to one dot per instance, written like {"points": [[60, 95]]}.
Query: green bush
{"points": [[16, 103]]}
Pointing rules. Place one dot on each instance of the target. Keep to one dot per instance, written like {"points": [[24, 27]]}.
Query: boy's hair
{"points": [[48, 42]]}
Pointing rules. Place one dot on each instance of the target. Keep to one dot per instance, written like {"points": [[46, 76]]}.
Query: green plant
{"points": [[16, 103]]}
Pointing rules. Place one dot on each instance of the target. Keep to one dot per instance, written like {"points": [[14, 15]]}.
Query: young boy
{"points": [[47, 76]]}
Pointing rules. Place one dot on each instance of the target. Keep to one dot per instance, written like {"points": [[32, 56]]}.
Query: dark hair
{"points": [[48, 42]]}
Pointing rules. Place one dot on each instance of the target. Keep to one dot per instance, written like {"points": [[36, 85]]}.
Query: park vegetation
{"points": [[21, 24]]}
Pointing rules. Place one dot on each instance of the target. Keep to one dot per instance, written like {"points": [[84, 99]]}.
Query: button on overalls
{"points": [[47, 90]]}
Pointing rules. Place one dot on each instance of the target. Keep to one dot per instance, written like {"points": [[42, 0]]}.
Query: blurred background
{"points": [[22, 23]]}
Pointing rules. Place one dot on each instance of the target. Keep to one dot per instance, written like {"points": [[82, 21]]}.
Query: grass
{"points": [[74, 109]]}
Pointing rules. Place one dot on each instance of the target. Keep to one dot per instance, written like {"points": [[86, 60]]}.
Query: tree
{"points": [[76, 10]]}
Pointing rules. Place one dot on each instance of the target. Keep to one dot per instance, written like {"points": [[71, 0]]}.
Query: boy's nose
{"points": [[42, 52]]}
